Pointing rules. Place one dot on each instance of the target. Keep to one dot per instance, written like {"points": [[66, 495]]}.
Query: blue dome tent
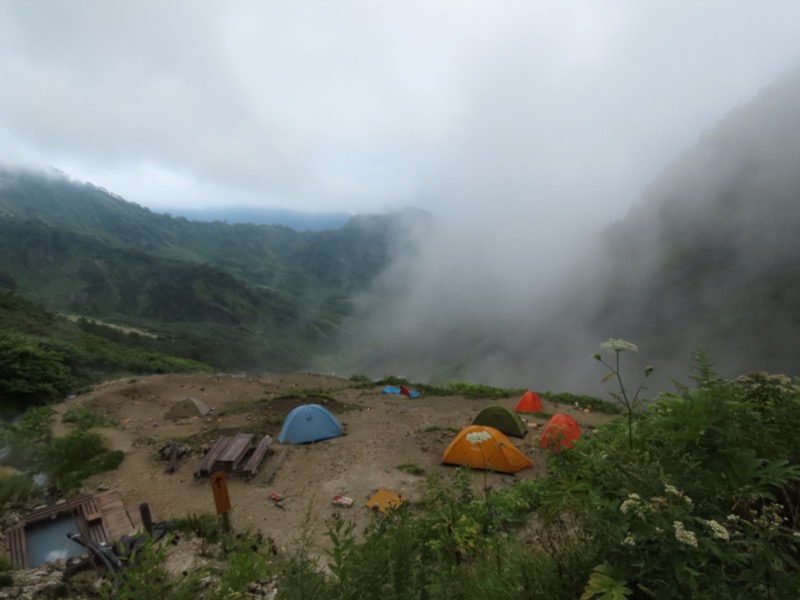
{"points": [[309, 423]]}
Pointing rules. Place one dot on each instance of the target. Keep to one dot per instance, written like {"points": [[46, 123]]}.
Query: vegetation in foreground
{"points": [[700, 498]]}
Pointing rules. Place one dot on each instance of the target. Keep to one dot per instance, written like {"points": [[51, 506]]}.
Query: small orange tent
{"points": [[492, 451], [560, 432], [529, 403]]}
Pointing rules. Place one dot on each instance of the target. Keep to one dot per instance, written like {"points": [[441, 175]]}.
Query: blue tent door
{"points": [[309, 423]]}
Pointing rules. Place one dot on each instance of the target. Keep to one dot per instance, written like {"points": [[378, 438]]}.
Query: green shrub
{"points": [[705, 503], [69, 460], [30, 373], [84, 418]]}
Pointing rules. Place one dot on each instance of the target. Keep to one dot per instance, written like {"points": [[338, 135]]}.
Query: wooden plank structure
{"points": [[275, 464], [207, 465], [17, 547], [234, 454], [252, 464], [102, 518]]}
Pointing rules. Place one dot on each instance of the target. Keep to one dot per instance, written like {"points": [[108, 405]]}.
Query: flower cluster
{"points": [[758, 380], [683, 535], [633, 502], [612, 346], [673, 491], [770, 517], [478, 437], [718, 531]]}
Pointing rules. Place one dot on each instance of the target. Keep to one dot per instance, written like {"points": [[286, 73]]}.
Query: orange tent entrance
{"points": [[490, 450], [529, 403], [560, 432]]}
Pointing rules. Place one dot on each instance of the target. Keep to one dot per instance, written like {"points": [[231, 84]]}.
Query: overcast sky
{"points": [[566, 107]]}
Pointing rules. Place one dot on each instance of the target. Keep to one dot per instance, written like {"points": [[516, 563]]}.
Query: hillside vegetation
{"points": [[44, 357], [236, 296]]}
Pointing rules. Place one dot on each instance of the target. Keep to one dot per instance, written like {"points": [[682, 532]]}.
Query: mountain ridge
{"points": [[77, 248]]}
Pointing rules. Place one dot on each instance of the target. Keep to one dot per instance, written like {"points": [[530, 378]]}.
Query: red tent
{"points": [[529, 403], [560, 432]]}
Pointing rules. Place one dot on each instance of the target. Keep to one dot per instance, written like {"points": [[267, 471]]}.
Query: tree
{"points": [[29, 373]]}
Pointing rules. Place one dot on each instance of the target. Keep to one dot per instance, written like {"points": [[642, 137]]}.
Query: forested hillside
{"points": [[237, 296]]}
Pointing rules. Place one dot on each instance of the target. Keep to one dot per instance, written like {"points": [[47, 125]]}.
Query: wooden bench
{"points": [[253, 462], [207, 464], [275, 464], [235, 451]]}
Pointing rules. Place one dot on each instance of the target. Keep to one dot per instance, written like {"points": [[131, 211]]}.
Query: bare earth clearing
{"points": [[383, 432]]}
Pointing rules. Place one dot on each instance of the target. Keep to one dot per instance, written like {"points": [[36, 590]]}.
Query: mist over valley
{"points": [[705, 259]]}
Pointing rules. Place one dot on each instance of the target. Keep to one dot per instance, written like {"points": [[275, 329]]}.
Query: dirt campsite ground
{"points": [[383, 432]]}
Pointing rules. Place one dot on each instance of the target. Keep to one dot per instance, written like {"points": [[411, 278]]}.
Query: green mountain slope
{"points": [[44, 356], [254, 297]]}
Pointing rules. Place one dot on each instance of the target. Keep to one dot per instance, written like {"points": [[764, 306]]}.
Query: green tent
{"points": [[503, 419]]}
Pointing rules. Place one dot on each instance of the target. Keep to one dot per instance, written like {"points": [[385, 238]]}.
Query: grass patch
{"points": [[346, 408], [17, 490], [596, 404], [322, 393], [433, 428], [540, 415], [411, 469], [359, 378], [85, 418]]}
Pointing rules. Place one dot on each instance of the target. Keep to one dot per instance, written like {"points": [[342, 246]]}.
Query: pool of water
{"points": [[48, 542]]}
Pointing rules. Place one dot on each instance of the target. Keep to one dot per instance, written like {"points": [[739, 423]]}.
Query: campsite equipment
{"points": [[309, 423], [343, 501], [391, 389], [529, 403], [234, 454], [560, 432], [188, 408], [383, 500], [502, 419], [495, 452]]}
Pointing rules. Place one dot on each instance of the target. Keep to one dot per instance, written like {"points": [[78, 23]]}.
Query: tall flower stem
{"points": [[629, 404]]}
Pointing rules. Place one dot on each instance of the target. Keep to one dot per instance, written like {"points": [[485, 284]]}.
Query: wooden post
{"points": [[147, 519]]}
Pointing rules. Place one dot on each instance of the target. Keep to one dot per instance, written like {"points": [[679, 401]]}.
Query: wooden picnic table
{"points": [[234, 454]]}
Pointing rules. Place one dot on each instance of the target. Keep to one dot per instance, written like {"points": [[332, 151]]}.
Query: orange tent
{"points": [[529, 403], [489, 450], [560, 432]]}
